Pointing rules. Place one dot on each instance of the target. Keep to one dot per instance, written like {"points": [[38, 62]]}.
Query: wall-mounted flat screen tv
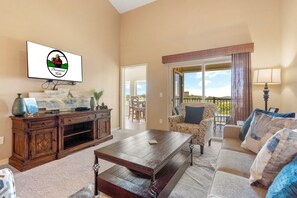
{"points": [[52, 64]]}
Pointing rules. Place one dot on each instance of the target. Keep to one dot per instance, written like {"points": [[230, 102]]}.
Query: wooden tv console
{"points": [[46, 137]]}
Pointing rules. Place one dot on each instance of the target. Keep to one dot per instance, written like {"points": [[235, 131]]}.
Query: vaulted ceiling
{"points": [[123, 6]]}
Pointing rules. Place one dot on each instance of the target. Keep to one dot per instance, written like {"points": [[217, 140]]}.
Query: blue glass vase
{"points": [[18, 107]]}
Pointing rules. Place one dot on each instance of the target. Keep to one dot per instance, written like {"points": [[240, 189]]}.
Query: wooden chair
{"points": [[137, 109], [130, 108]]}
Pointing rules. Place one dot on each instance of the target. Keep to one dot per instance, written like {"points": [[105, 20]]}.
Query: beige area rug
{"points": [[194, 183], [63, 177]]}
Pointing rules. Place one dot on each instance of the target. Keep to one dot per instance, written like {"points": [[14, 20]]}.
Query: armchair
{"points": [[201, 133]]}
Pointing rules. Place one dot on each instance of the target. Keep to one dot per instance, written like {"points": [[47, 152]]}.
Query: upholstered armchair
{"points": [[201, 133]]}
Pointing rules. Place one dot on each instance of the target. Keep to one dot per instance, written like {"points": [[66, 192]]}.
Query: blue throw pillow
{"points": [[244, 129], [285, 183], [194, 115]]}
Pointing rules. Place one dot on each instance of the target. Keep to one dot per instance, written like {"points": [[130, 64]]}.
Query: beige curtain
{"points": [[241, 87]]}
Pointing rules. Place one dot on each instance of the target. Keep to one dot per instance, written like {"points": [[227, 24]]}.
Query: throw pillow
{"points": [[279, 150], [262, 128], [285, 183], [7, 187], [194, 115], [244, 129]]}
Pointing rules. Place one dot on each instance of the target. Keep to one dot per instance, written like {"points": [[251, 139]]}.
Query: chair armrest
{"points": [[173, 120], [231, 131], [206, 126]]}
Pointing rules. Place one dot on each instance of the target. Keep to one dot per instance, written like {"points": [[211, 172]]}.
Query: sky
{"points": [[141, 87], [217, 83]]}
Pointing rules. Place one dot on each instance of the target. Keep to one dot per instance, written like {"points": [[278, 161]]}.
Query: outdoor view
{"points": [[140, 90], [217, 88]]}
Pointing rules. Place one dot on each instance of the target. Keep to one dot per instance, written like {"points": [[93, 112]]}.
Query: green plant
{"points": [[97, 95]]}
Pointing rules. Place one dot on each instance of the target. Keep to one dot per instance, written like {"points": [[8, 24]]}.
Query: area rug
{"points": [[61, 178], [195, 182]]}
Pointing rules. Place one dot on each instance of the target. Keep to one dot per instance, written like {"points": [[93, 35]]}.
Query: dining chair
{"points": [[137, 109]]}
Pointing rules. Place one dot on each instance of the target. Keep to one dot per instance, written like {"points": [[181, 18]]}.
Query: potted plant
{"points": [[97, 95]]}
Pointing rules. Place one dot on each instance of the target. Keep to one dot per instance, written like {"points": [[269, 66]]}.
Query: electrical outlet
{"points": [[2, 140], [161, 121]]}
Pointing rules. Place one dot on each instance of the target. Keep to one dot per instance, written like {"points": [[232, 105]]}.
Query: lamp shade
{"points": [[270, 76]]}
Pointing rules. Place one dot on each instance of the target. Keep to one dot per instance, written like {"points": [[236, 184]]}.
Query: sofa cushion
{"points": [[246, 125], [194, 115], [285, 183], [230, 185], [234, 145], [279, 150], [235, 162], [262, 128]]}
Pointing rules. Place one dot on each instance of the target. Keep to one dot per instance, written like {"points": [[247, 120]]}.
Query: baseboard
{"points": [[115, 129], [4, 161]]}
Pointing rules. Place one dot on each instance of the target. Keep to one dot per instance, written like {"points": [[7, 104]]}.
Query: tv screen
{"points": [[53, 64]]}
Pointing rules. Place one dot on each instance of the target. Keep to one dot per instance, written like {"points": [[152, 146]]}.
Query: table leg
{"points": [[96, 167], [153, 189], [191, 150]]}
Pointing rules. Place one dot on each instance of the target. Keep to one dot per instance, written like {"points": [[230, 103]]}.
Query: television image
{"points": [[52, 64]]}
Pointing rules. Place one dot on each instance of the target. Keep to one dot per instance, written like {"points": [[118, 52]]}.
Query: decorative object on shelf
{"points": [[97, 95], [18, 107], [103, 106], [267, 76], [31, 105], [92, 103]]}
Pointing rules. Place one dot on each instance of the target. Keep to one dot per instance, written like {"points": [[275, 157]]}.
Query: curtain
{"points": [[241, 87]]}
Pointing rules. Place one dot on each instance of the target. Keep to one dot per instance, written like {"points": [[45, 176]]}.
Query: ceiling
{"points": [[123, 6]]}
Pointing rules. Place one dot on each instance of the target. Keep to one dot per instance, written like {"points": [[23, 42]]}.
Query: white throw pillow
{"points": [[262, 128], [7, 187], [279, 150]]}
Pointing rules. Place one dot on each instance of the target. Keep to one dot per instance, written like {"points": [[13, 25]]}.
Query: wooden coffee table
{"points": [[143, 170]]}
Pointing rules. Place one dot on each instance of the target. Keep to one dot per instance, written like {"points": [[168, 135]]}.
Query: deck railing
{"points": [[224, 104]]}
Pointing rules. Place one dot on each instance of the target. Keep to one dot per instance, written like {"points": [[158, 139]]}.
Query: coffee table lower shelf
{"points": [[119, 181]]}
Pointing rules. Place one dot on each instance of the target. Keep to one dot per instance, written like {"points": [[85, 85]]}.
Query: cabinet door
{"points": [[43, 142], [103, 127]]}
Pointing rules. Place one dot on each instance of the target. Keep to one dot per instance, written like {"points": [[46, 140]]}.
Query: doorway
{"points": [[134, 97]]}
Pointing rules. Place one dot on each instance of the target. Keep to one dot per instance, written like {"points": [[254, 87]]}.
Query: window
{"points": [[141, 89]]}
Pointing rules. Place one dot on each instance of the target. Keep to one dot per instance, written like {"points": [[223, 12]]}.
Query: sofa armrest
{"points": [[173, 120], [231, 131]]}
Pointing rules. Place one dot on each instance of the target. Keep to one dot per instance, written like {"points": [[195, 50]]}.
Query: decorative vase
{"points": [[18, 107], [92, 103]]}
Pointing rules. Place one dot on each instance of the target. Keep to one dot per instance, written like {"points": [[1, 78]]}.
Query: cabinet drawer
{"points": [[41, 124], [78, 119], [103, 115]]}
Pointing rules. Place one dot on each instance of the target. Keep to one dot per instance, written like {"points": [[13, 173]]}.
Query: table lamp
{"points": [[267, 76]]}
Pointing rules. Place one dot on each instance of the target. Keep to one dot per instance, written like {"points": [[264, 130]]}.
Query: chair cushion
{"points": [[263, 127], [279, 150], [285, 183], [194, 115], [246, 125]]}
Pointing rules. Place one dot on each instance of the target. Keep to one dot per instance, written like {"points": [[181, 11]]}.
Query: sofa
{"points": [[232, 173]]}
